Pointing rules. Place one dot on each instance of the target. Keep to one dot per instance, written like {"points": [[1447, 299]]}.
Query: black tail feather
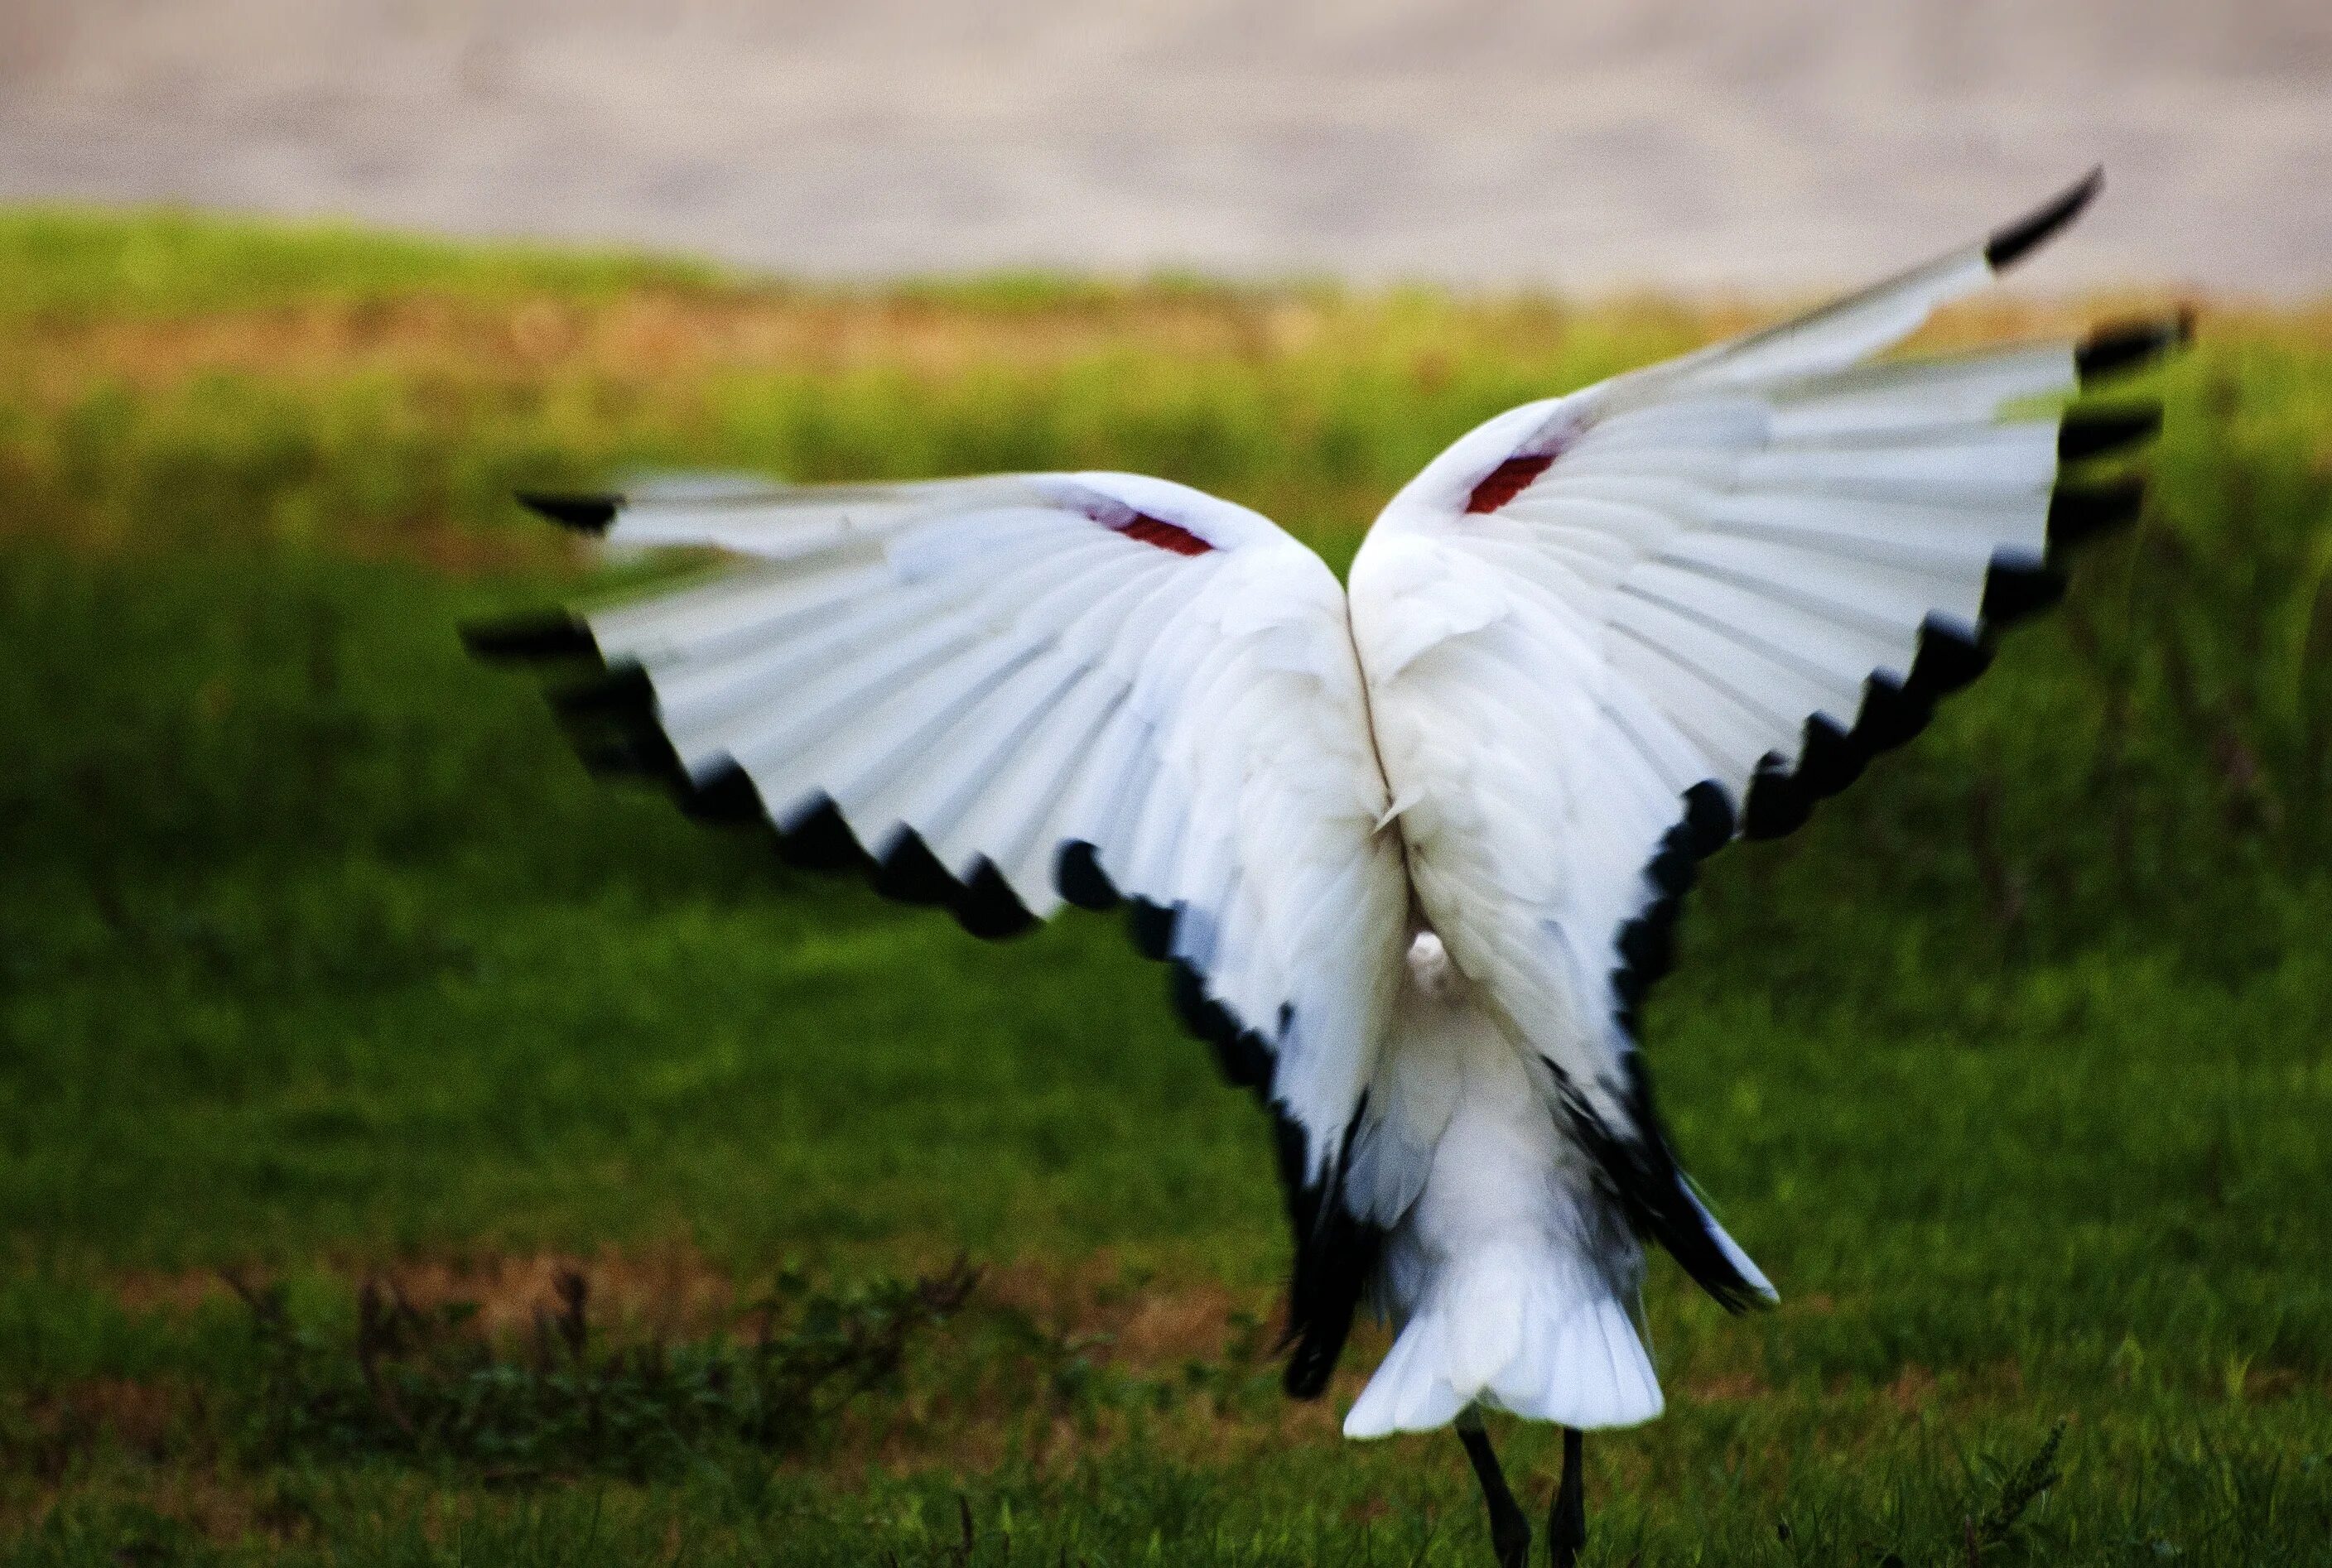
{"points": [[1638, 1170], [1336, 1255]]}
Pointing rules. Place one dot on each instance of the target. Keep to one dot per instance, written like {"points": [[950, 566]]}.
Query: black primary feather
{"points": [[580, 514], [540, 637], [2013, 244], [2122, 347], [2095, 432]]}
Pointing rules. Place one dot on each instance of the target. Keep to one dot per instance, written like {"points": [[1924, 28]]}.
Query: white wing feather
{"points": [[996, 684], [1602, 632]]}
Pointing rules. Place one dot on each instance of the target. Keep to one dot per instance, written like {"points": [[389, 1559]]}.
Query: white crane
{"points": [[1413, 851]]}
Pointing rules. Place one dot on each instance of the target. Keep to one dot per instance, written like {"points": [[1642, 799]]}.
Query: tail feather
{"points": [[1590, 1371], [1641, 1173], [1411, 1392], [1545, 1338], [1743, 1266]]}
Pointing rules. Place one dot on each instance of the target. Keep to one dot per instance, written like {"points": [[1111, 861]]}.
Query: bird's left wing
{"points": [[999, 694], [1605, 632]]}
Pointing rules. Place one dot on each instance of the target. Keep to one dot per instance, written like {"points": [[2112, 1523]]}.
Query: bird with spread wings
{"points": [[1413, 851]]}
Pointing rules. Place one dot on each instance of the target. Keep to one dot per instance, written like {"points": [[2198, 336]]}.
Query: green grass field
{"points": [[322, 963]]}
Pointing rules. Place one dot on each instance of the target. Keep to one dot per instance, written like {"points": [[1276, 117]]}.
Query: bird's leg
{"points": [[1510, 1532], [1566, 1522]]}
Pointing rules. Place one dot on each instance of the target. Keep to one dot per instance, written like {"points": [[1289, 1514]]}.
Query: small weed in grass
{"points": [[2018, 1490], [425, 1383]]}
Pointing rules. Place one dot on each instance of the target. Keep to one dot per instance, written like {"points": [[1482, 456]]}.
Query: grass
{"points": [[320, 962]]}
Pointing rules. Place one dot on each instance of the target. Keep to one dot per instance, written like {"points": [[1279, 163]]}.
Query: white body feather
{"points": [[1511, 1275]]}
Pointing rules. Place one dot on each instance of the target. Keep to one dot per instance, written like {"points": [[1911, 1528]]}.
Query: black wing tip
{"points": [[1779, 803], [1708, 817], [1336, 1255], [610, 721], [1783, 797], [1830, 758], [1949, 659], [1241, 1053], [2013, 244], [1640, 1173], [987, 906], [2089, 433], [1735, 1293], [611, 724], [1646, 944], [583, 513], [1151, 927], [1077, 873], [818, 839], [1312, 1365], [2018, 592], [648, 756], [540, 637], [905, 870], [908, 872], [725, 798], [2079, 513], [623, 692], [2119, 347]]}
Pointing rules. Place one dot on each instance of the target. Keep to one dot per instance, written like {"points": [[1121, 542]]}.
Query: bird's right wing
{"points": [[1604, 632], [1001, 693]]}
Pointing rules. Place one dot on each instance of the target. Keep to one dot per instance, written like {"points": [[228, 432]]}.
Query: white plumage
{"points": [[1413, 854]]}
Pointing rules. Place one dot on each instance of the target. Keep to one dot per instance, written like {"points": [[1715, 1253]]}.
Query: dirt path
{"points": [[1767, 145]]}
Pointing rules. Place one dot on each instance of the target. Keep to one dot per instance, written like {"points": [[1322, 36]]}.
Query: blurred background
{"points": [[413, 1150], [1602, 145]]}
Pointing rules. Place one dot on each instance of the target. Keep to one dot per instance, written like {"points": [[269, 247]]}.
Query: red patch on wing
{"points": [[1166, 535], [1507, 481]]}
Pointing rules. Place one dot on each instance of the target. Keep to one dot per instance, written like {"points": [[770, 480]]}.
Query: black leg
{"points": [[1510, 1532], [1566, 1522]]}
